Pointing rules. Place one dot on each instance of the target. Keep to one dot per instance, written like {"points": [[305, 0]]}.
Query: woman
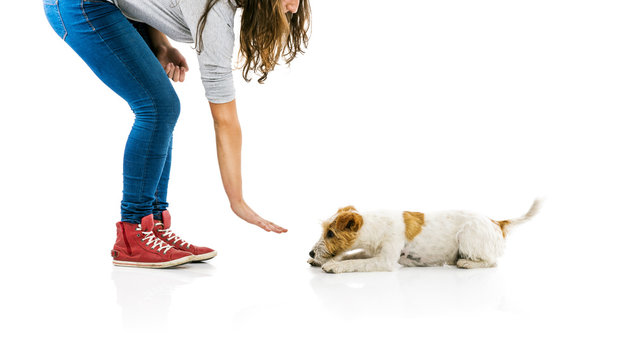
{"points": [[100, 33]]}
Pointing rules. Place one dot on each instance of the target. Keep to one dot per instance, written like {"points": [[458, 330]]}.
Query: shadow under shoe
{"points": [[138, 246]]}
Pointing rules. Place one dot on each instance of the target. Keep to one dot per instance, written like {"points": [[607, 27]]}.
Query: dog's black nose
{"points": [[311, 254]]}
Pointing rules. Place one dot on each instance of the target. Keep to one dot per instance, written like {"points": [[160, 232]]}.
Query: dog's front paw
{"points": [[333, 267], [465, 264], [312, 262]]}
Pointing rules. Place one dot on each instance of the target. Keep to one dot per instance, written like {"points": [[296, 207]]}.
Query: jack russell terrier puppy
{"points": [[376, 241]]}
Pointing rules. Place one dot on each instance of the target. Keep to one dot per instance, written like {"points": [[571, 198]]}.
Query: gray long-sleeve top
{"points": [[178, 19]]}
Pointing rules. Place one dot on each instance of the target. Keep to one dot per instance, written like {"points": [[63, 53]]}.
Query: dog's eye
{"points": [[330, 234]]}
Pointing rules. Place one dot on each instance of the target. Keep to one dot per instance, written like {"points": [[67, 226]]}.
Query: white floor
{"points": [[438, 105], [249, 303]]}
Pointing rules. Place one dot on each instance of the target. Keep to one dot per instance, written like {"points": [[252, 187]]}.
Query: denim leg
{"points": [[160, 198], [99, 33]]}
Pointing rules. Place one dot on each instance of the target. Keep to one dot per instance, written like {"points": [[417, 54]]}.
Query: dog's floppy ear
{"points": [[348, 221]]}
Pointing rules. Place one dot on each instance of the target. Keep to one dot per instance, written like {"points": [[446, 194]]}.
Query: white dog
{"points": [[376, 241]]}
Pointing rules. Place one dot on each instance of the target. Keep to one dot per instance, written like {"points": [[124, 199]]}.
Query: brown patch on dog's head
{"points": [[340, 234], [414, 222], [346, 208]]}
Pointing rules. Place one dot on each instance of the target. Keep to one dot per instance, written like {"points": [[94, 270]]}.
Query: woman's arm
{"points": [[229, 146], [228, 133], [172, 60]]}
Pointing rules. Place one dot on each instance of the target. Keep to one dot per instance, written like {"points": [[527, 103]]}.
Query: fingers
{"points": [[269, 226], [169, 70], [278, 229], [264, 225], [246, 213], [184, 64], [175, 73]]}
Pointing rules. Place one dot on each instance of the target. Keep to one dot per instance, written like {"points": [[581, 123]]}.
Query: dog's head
{"points": [[339, 234]]}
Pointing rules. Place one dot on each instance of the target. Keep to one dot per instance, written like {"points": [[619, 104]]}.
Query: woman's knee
{"points": [[162, 109], [170, 107]]}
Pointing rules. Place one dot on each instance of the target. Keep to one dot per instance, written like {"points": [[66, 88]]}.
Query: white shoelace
{"points": [[153, 241], [171, 237]]}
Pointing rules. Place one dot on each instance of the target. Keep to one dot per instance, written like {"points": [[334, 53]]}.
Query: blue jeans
{"points": [[108, 43]]}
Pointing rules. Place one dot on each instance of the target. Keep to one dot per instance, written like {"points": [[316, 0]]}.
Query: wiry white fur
{"points": [[466, 239]]}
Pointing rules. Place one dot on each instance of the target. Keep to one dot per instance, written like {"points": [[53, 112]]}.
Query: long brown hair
{"points": [[267, 33]]}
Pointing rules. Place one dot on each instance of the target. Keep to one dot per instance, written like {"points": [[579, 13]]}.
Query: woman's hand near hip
{"points": [[170, 58], [229, 146], [173, 62]]}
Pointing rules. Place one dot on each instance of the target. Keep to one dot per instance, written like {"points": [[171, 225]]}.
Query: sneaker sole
{"points": [[159, 265], [203, 257]]}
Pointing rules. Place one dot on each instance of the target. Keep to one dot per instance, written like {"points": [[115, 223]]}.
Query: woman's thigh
{"points": [[99, 33]]}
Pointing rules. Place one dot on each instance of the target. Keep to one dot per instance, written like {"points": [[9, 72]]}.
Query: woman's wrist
{"points": [[160, 49], [158, 39]]}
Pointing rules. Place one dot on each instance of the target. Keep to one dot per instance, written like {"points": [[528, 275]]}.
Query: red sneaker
{"points": [[136, 245], [162, 231]]}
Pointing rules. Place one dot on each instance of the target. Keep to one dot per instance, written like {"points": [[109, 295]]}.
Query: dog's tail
{"points": [[506, 225]]}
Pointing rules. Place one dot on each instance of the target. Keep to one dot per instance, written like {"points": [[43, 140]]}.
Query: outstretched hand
{"points": [[247, 214], [173, 62]]}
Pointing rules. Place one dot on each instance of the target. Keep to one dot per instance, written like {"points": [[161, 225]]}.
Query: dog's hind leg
{"points": [[409, 260], [472, 264], [479, 244]]}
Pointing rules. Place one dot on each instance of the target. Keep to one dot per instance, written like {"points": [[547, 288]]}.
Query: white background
{"points": [[409, 105]]}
